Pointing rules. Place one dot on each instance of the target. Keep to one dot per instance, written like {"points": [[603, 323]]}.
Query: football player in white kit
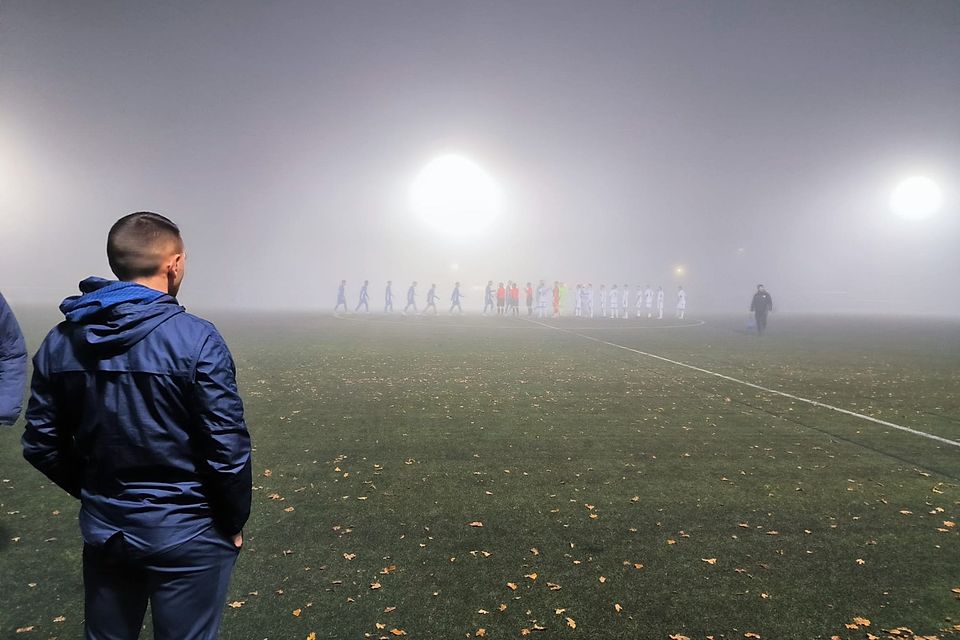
{"points": [[681, 302], [614, 302], [639, 300], [590, 299], [578, 302], [648, 300], [603, 300], [625, 301], [542, 292], [660, 303]]}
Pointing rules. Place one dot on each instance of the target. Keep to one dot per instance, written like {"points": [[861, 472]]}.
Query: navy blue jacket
{"points": [[134, 409], [13, 365]]}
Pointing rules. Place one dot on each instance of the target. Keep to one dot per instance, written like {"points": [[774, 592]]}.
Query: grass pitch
{"points": [[619, 496]]}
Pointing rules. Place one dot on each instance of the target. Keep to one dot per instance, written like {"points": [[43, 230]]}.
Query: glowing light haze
{"points": [[746, 140], [456, 196], [916, 198]]}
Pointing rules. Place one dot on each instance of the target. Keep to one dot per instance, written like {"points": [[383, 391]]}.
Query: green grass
{"points": [[388, 437]]}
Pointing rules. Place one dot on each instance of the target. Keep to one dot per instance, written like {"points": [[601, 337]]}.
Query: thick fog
{"points": [[743, 141]]}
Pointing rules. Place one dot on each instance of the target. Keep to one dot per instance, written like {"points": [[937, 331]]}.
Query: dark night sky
{"points": [[748, 141]]}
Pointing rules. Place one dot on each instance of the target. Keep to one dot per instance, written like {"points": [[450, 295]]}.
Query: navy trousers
{"points": [[761, 319], [186, 587]]}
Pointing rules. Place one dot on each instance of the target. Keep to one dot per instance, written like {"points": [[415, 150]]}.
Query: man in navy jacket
{"points": [[13, 365], [134, 410]]}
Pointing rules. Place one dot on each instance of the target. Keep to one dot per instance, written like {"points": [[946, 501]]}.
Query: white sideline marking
{"points": [[757, 386]]}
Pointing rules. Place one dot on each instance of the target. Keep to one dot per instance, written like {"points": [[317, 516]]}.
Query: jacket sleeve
{"points": [[48, 438], [223, 438], [13, 365]]}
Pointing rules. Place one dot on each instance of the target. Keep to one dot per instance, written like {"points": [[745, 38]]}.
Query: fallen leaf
{"points": [[512, 586], [236, 604], [312, 635], [481, 632], [532, 576], [751, 634], [297, 612], [398, 632], [678, 637], [267, 473], [289, 509], [553, 586], [709, 560], [602, 579], [25, 629], [349, 556], [476, 523], [375, 585], [617, 607], [571, 623]]}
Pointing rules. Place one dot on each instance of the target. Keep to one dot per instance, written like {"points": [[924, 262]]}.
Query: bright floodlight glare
{"points": [[916, 198], [680, 270], [456, 196]]}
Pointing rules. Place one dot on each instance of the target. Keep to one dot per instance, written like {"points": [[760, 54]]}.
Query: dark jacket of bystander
{"points": [[13, 365], [134, 409]]}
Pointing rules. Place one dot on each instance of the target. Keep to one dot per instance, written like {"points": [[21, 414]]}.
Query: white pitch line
{"points": [[815, 403]]}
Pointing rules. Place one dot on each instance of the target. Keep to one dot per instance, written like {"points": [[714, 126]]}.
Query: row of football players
{"points": [[543, 300]]}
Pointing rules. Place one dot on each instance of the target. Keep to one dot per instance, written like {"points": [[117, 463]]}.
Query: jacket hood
{"points": [[113, 316]]}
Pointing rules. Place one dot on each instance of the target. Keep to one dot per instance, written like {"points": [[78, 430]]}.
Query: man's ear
{"points": [[174, 267]]}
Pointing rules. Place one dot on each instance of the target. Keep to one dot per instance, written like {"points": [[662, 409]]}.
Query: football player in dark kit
{"points": [[134, 410], [761, 305]]}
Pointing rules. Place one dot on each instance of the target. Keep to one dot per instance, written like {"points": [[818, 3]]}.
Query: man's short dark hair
{"points": [[138, 242]]}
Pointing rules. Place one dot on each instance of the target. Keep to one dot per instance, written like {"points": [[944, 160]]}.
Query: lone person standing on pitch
{"points": [[761, 305], [134, 410], [13, 365]]}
